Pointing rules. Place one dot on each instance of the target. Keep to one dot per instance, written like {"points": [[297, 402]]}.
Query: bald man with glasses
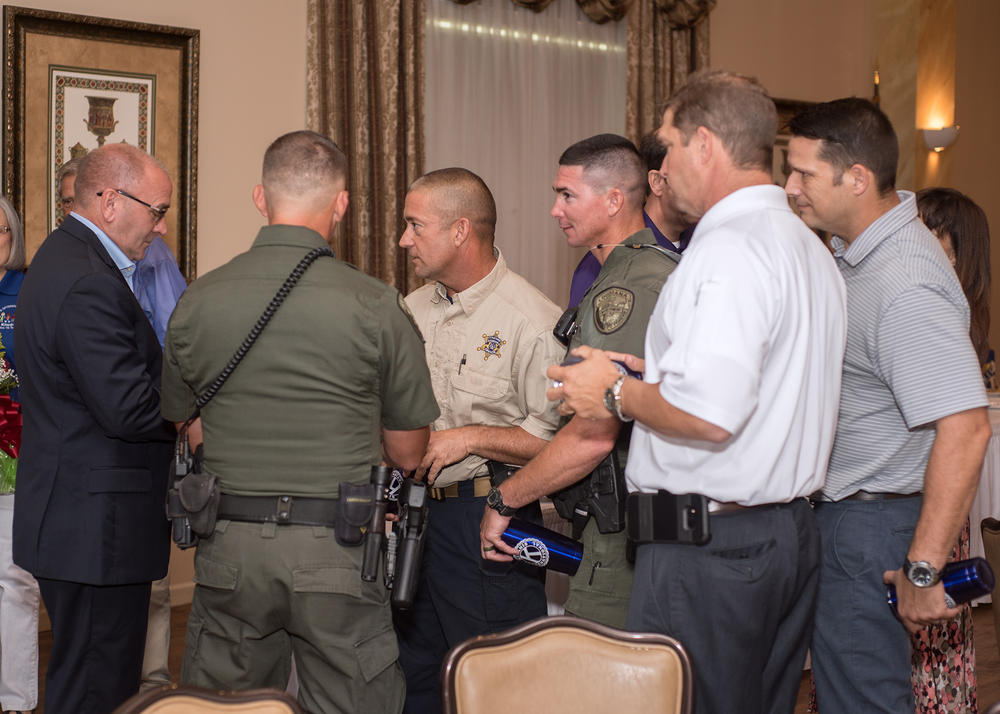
{"points": [[92, 474]]}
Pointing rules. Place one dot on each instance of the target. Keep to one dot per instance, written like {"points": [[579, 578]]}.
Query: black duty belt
{"points": [[283, 510]]}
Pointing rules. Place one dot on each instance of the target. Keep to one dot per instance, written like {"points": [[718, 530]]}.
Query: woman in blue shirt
{"points": [[18, 590]]}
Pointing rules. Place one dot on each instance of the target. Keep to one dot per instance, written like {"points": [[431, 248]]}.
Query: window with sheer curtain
{"points": [[507, 90]]}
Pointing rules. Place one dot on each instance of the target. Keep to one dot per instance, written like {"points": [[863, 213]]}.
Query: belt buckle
{"points": [[283, 512]]}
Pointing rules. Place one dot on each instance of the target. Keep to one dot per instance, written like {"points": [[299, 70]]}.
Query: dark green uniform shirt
{"points": [[616, 308], [612, 316], [302, 412]]}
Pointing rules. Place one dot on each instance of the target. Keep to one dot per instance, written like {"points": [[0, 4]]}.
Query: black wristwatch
{"points": [[921, 573], [494, 499]]}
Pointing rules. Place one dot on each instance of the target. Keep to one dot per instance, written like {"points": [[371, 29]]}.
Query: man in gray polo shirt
{"points": [[912, 428]]}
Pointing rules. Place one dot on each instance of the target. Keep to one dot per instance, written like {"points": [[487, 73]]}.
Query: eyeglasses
{"points": [[157, 214]]}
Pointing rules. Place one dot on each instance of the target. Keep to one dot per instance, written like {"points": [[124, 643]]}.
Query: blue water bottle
{"points": [[964, 580], [543, 548]]}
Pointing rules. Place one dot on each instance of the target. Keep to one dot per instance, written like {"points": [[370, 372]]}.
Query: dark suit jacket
{"points": [[92, 471]]}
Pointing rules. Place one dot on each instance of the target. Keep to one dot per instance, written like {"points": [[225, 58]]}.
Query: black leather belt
{"points": [[283, 510], [877, 496]]}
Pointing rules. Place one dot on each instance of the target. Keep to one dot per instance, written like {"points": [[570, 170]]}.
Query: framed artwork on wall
{"points": [[75, 82]]}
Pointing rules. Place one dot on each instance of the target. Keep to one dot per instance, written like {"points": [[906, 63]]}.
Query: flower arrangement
{"points": [[10, 424]]}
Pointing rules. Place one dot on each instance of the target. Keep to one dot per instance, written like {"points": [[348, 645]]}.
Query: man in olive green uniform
{"points": [[600, 192], [336, 382]]}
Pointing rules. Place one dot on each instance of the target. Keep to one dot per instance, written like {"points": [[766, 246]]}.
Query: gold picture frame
{"points": [[78, 81]]}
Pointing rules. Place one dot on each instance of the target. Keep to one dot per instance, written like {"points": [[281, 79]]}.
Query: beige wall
{"points": [[814, 50], [818, 50], [252, 88]]}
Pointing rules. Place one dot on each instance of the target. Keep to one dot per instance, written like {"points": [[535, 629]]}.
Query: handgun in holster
{"points": [[599, 495], [410, 532], [182, 465], [404, 546]]}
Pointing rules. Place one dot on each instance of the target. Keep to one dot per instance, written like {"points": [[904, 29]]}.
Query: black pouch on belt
{"points": [[354, 513], [199, 493], [665, 517]]}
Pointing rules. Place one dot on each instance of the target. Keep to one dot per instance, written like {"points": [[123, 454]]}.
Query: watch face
{"points": [[921, 574], [494, 499]]}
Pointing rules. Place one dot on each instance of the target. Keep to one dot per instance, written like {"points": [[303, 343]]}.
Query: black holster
{"points": [[199, 495], [500, 472], [599, 495], [193, 498], [411, 535]]}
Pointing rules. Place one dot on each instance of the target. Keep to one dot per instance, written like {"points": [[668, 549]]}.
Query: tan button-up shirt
{"points": [[488, 348]]}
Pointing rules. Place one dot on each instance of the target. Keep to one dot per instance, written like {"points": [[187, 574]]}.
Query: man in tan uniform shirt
{"points": [[488, 340]]}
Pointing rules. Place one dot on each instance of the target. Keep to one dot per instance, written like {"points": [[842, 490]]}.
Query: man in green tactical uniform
{"points": [[335, 383]]}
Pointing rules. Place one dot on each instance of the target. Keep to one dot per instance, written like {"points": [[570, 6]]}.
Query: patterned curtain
{"points": [[365, 88], [600, 11], [667, 41]]}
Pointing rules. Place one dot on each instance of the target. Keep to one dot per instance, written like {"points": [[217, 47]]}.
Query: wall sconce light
{"points": [[940, 139]]}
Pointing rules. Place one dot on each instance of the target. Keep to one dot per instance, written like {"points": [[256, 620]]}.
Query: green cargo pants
{"points": [[264, 592], [601, 588]]}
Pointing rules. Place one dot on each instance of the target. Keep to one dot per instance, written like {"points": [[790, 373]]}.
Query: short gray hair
{"points": [[735, 108]]}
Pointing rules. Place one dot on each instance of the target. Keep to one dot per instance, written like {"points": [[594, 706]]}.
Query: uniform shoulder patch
{"points": [[409, 314], [612, 308]]}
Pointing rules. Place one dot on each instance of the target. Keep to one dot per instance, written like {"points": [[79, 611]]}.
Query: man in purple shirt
{"points": [[660, 214]]}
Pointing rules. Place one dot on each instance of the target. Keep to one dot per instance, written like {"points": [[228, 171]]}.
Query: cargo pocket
{"points": [[382, 687], [211, 574]]}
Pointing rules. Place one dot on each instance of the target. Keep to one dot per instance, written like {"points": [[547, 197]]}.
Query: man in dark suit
{"points": [[90, 523]]}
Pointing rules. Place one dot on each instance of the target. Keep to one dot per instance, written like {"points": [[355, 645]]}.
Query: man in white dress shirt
{"points": [[736, 416]]}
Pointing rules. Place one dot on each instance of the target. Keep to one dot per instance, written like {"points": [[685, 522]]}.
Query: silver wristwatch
{"points": [[921, 573], [613, 399]]}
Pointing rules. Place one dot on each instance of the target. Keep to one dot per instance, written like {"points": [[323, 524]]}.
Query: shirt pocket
{"points": [[482, 399]]}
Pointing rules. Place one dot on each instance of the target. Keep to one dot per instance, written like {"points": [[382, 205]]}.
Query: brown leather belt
{"points": [[480, 488], [875, 496]]}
